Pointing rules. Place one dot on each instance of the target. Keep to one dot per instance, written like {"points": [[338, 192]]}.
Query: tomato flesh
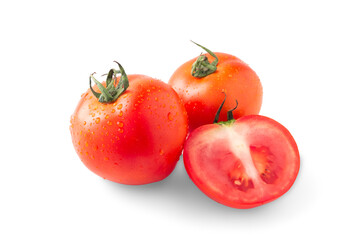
{"points": [[245, 164]]}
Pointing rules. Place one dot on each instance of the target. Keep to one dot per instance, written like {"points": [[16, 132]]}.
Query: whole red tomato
{"points": [[132, 131], [199, 83]]}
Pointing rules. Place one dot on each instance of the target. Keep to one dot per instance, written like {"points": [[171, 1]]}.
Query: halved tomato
{"points": [[242, 163]]}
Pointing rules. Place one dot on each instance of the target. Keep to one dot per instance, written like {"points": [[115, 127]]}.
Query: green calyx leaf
{"points": [[202, 67], [226, 123], [230, 119], [113, 90]]}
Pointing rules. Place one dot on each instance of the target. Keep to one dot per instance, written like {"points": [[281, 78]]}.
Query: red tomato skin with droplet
{"points": [[137, 139], [254, 151]]}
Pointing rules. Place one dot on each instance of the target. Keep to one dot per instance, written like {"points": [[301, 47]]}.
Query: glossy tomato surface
{"points": [[245, 164], [202, 96], [135, 140]]}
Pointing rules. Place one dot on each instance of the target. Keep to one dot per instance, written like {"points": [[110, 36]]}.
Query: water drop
{"points": [[97, 120], [170, 116]]}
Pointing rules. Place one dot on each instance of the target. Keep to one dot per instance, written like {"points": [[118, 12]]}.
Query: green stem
{"points": [[111, 92], [230, 118], [219, 109], [230, 112], [202, 67]]}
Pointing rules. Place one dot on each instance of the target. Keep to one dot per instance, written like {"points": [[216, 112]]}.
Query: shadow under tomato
{"points": [[178, 194]]}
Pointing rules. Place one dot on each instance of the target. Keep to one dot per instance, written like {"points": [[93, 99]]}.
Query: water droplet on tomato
{"points": [[84, 122], [161, 151], [120, 130], [106, 158], [107, 116], [119, 106], [170, 116], [113, 110], [109, 123], [120, 114], [120, 124], [97, 120], [156, 99]]}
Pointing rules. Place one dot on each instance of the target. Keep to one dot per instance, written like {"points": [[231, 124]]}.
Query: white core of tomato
{"points": [[241, 149]]}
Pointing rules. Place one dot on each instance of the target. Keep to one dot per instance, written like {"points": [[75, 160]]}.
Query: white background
{"points": [[305, 52]]}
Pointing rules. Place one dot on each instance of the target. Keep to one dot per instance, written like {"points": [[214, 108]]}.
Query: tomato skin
{"points": [[214, 157], [135, 140], [202, 96]]}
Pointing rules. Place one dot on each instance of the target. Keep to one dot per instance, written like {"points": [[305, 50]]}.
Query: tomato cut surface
{"points": [[243, 164]]}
